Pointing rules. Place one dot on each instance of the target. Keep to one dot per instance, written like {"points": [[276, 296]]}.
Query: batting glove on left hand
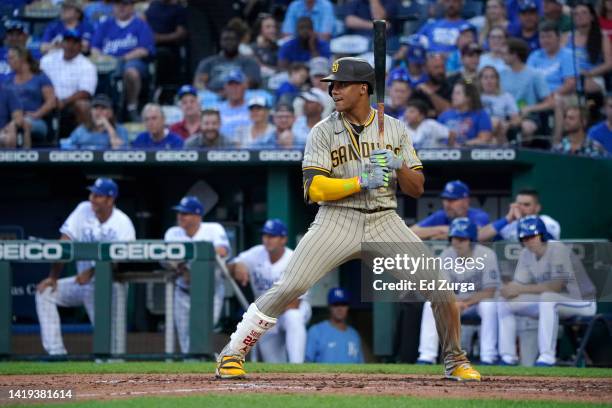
{"points": [[386, 158]]}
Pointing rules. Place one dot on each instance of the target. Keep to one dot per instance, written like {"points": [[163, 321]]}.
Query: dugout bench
{"points": [[200, 254]]}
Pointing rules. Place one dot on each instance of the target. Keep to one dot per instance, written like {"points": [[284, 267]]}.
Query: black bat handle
{"points": [[380, 57]]}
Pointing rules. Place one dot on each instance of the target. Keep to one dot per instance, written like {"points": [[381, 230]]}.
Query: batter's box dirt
{"points": [[112, 386]]}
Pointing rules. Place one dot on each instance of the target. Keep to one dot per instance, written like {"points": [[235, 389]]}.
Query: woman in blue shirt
{"points": [[467, 120], [33, 89]]}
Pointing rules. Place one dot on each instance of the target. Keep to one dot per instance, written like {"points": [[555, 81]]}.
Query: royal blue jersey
{"points": [[602, 134], [476, 215], [113, 40], [466, 125], [170, 141], [55, 29], [442, 34], [328, 344]]}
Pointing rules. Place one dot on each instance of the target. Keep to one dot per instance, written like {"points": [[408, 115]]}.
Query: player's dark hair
{"points": [[532, 192], [518, 47], [418, 105], [471, 93]]}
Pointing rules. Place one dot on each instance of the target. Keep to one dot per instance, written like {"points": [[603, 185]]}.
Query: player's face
{"points": [[100, 203], [534, 243], [187, 220], [461, 245], [527, 205], [273, 243], [399, 93], [346, 94], [190, 105], [549, 41], [455, 208], [338, 312]]}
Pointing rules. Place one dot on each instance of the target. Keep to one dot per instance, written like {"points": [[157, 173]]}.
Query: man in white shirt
{"points": [[74, 79], [190, 227], [96, 220], [261, 266]]}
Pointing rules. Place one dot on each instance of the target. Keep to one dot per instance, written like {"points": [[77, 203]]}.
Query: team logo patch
{"points": [[335, 67]]}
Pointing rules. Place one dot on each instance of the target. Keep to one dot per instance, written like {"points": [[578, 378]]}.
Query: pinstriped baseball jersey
{"points": [[334, 149]]}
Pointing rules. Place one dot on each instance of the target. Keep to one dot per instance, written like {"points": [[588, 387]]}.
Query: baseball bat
{"points": [[238, 292], [380, 60]]}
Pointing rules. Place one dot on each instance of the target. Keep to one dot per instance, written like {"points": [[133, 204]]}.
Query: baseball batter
{"points": [[545, 286], [354, 181], [191, 228], [95, 220], [463, 235], [261, 266]]}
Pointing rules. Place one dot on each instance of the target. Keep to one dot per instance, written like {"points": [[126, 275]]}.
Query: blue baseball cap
{"points": [[190, 205], [454, 190], [467, 27], [462, 227], [72, 33], [527, 5], [187, 90], [235, 75], [104, 187], [274, 227], [338, 296], [11, 25], [532, 225], [399, 74]]}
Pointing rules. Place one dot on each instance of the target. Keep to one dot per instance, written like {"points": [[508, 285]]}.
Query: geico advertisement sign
{"points": [[143, 251], [440, 154], [228, 155], [493, 154], [71, 156], [35, 251], [17, 156], [125, 156], [176, 155], [280, 155]]}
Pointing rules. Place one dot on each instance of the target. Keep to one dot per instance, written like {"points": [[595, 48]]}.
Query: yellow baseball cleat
{"points": [[464, 372], [230, 367]]}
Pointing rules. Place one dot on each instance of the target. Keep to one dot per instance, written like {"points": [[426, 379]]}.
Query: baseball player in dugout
{"points": [[353, 178], [95, 220], [261, 266], [190, 228]]}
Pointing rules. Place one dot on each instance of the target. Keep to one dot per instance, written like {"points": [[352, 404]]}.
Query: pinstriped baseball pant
{"points": [[335, 237]]}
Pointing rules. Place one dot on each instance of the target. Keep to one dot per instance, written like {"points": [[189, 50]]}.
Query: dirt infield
{"points": [[113, 386]]}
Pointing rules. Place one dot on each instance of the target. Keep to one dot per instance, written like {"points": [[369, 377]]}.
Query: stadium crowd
{"points": [[525, 73]]}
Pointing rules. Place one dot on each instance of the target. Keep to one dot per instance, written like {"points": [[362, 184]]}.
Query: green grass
{"points": [[24, 368], [315, 401]]}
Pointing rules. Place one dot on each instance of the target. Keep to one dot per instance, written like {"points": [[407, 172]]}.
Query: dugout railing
{"points": [[105, 254]]}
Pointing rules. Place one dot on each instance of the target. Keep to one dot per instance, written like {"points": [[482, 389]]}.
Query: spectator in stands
{"points": [[593, 51], [71, 18], [497, 40], [360, 14], [265, 47], [436, 92], [288, 90], [156, 135], [97, 11], [320, 12], [399, 93], [527, 86], [244, 35], [495, 16], [33, 89], [574, 140], [501, 106], [605, 18], [190, 106], [314, 103], [129, 39], [425, 133], [601, 133], [527, 202], [513, 10], [467, 36], [11, 119], [443, 33], [553, 12], [101, 131], [209, 135], [304, 46], [471, 124], [527, 29], [411, 56], [259, 126], [333, 341], [168, 21], [283, 135], [74, 80], [318, 69], [234, 111], [553, 62], [470, 59], [15, 35], [211, 71], [455, 203]]}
